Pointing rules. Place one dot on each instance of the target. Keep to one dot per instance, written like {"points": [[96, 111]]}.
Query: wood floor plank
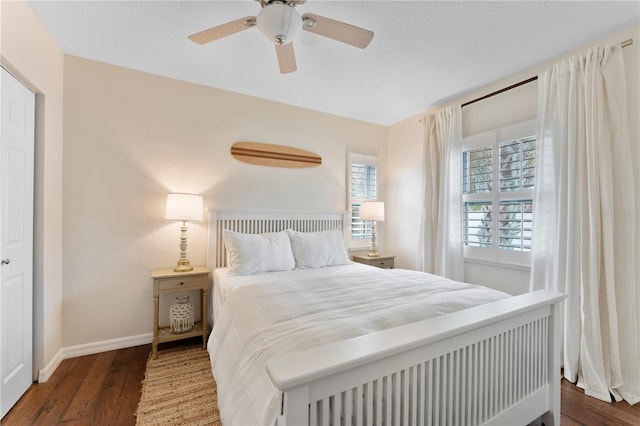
{"points": [[52, 398], [104, 389], [83, 405], [578, 408], [32, 406], [127, 405], [110, 409]]}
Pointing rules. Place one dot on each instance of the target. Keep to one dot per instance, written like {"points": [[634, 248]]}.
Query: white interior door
{"points": [[16, 239]]}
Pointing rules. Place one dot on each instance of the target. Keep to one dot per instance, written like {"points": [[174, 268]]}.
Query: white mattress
{"points": [[269, 314]]}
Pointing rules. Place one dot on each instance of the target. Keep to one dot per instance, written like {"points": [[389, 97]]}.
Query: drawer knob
{"points": [[181, 283]]}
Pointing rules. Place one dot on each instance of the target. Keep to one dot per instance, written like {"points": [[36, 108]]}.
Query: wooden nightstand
{"points": [[168, 281], [385, 262]]}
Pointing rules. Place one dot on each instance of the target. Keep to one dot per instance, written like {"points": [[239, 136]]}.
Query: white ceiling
{"points": [[423, 52]]}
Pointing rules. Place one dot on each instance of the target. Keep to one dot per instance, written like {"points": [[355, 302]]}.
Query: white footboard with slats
{"points": [[497, 363], [492, 364]]}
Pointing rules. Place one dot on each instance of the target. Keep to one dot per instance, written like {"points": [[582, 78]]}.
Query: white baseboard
{"points": [[106, 345], [90, 349], [46, 373]]}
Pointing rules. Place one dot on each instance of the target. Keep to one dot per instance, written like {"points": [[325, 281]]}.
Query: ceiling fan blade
{"points": [[286, 58], [337, 30], [215, 33]]}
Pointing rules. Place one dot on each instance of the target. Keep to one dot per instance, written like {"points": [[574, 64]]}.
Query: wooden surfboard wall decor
{"points": [[265, 154]]}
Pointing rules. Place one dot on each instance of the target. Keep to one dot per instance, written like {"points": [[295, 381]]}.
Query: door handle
{"points": [[6, 261]]}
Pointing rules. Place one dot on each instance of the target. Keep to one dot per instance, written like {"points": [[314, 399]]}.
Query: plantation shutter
{"points": [[364, 187]]}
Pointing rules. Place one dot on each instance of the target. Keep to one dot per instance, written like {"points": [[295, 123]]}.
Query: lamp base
{"points": [[183, 266], [373, 249]]}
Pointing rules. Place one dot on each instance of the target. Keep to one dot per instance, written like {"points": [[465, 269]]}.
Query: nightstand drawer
{"points": [[385, 262], [181, 282], [382, 263]]}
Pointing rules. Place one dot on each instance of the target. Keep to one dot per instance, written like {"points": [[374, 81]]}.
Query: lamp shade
{"points": [[372, 210], [184, 207], [279, 22]]}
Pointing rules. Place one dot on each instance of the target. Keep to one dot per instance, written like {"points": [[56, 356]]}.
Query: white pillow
{"points": [[318, 249], [251, 253]]}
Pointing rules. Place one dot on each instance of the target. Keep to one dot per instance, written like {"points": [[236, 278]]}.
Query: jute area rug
{"points": [[179, 389]]}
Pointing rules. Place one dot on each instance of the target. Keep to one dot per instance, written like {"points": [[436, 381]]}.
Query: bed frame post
{"points": [[295, 407], [552, 417]]}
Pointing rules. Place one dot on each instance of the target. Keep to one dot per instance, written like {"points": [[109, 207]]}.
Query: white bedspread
{"points": [[280, 313], [224, 284]]}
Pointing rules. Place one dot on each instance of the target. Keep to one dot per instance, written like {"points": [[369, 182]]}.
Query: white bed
{"points": [[351, 344]]}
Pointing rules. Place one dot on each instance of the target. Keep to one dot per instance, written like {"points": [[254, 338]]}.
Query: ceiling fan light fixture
{"points": [[279, 22]]}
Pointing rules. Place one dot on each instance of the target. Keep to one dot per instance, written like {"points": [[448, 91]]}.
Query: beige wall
{"points": [[30, 54], [132, 137], [404, 167]]}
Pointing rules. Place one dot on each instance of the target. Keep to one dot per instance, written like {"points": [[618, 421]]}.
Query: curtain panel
{"points": [[583, 243], [440, 250]]}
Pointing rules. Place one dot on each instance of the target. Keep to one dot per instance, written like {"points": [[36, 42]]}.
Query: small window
{"points": [[514, 231], [497, 194], [477, 224], [477, 170], [363, 186], [517, 164]]}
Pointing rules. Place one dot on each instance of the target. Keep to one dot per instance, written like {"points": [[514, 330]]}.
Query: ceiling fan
{"points": [[280, 22]]}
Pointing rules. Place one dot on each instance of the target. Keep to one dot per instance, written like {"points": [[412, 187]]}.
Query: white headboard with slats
{"points": [[259, 221]]}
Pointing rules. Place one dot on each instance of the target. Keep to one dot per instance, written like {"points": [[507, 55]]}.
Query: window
{"points": [[363, 186], [497, 194]]}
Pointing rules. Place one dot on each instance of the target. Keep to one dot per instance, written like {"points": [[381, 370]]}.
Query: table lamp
{"points": [[184, 207], [372, 211]]}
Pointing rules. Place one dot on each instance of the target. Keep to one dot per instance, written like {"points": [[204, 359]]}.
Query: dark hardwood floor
{"points": [[579, 409], [104, 389], [101, 389]]}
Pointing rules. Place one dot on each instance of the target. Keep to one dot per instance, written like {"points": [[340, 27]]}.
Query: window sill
{"points": [[517, 266]]}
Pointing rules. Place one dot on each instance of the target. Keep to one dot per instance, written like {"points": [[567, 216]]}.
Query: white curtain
{"points": [[440, 250], [584, 228]]}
